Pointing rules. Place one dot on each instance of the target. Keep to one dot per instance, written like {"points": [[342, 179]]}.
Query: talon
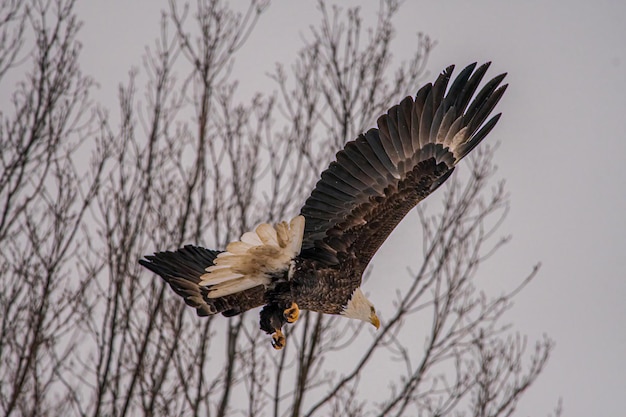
{"points": [[278, 340], [292, 313]]}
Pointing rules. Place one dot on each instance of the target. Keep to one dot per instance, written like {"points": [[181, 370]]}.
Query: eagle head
{"points": [[359, 307]]}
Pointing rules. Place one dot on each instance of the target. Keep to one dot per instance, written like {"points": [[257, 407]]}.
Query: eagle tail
{"points": [[182, 270], [254, 259]]}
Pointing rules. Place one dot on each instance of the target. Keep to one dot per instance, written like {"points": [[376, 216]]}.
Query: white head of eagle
{"points": [[316, 261], [360, 308]]}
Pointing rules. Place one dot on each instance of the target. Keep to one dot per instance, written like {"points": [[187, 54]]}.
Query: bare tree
{"points": [[85, 331], [45, 196]]}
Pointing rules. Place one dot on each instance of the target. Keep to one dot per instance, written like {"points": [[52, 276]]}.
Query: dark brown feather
{"points": [[383, 174], [182, 269]]}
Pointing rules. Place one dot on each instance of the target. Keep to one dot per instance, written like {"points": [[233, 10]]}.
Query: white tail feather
{"points": [[217, 278], [267, 234], [297, 227], [232, 287], [251, 238], [250, 261]]}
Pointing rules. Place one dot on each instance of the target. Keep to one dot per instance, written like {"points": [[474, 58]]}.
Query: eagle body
{"points": [[316, 261], [311, 282]]}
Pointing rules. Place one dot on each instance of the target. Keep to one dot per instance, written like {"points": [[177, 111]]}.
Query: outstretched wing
{"points": [[183, 269], [383, 174]]}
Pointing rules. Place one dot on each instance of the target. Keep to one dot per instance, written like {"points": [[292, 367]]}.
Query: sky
{"points": [[562, 141]]}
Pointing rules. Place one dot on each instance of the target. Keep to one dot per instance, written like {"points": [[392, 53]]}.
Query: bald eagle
{"points": [[315, 261]]}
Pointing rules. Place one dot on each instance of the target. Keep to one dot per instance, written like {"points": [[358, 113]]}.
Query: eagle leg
{"points": [[272, 321], [292, 313], [278, 340]]}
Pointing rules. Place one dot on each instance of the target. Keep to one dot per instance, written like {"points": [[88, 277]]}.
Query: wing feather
{"points": [[345, 172], [426, 120], [387, 139], [329, 188], [404, 124], [352, 161], [344, 183], [182, 270], [373, 139], [384, 173]]}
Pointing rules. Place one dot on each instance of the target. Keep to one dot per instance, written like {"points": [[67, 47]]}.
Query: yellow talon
{"points": [[292, 313], [278, 340]]}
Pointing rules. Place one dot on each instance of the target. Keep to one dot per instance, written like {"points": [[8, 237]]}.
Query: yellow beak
{"points": [[375, 320]]}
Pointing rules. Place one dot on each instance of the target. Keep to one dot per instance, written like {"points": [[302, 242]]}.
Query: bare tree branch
{"points": [[84, 331]]}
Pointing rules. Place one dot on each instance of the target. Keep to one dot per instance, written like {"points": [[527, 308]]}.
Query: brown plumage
{"points": [[361, 197]]}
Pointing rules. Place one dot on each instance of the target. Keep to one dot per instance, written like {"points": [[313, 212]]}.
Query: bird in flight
{"points": [[316, 261]]}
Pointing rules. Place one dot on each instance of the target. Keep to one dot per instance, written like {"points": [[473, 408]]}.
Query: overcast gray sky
{"points": [[562, 145]]}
